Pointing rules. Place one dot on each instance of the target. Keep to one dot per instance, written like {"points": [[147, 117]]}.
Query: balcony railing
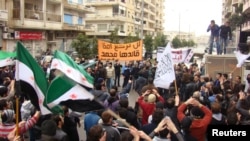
{"points": [[53, 17], [30, 14], [78, 6]]}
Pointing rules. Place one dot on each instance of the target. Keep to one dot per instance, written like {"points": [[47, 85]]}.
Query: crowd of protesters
{"points": [[159, 114]]}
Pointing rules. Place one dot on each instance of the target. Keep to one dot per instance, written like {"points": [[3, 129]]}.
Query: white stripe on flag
{"points": [[75, 93], [25, 74], [70, 72]]}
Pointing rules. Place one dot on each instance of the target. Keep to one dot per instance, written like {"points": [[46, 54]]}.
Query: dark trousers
{"points": [[125, 81], [117, 79]]}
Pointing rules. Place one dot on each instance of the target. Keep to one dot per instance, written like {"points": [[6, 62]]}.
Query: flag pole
{"points": [[17, 115], [233, 70], [118, 118], [175, 85]]}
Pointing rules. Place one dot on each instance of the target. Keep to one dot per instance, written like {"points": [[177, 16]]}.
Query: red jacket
{"points": [[198, 127], [147, 108]]}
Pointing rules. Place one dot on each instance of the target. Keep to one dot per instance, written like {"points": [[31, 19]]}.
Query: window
{"points": [[122, 12], [68, 19], [102, 27], [79, 20], [115, 9], [123, 1], [80, 1], [122, 28]]}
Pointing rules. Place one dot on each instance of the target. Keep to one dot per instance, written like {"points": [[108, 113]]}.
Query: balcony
{"points": [[78, 7], [235, 2], [246, 6], [84, 28], [228, 12], [55, 1], [53, 17], [67, 26], [31, 14], [103, 3], [115, 16]]}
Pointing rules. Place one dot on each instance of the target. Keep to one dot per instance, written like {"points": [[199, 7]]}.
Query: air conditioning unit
{"points": [[5, 29], [6, 35]]}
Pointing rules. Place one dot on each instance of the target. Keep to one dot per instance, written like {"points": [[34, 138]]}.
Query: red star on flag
{"points": [[83, 79], [40, 101], [68, 71], [73, 96], [55, 65], [32, 78]]}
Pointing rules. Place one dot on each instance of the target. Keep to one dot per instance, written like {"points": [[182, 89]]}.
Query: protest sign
{"points": [[126, 52]]}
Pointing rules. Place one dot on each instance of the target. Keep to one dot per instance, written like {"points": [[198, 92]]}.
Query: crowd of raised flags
{"points": [[69, 86]]}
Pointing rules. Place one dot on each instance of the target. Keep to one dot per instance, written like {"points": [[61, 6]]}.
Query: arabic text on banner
{"points": [[178, 55], [165, 73], [126, 52]]}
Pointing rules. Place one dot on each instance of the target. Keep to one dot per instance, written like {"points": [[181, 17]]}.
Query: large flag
{"points": [[33, 82], [7, 58], [65, 64], [241, 58], [178, 55], [165, 73], [65, 91]]}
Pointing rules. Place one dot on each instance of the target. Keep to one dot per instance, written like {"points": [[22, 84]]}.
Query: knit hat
{"points": [[49, 127], [9, 114], [151, 98], [196, 112]]}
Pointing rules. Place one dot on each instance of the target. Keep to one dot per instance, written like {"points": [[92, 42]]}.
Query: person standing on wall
{"points": [[225, 33], [214, 37]]}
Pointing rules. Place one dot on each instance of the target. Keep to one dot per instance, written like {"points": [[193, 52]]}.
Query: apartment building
{"points": [[44, 24], [130, 17], [3, 20]]}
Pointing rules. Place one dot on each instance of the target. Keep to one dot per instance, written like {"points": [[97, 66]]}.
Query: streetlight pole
{"points": [[179, 25]]}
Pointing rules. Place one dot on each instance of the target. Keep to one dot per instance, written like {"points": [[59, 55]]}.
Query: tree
{"points": [[94, 46], [129, 38], [160, 40], [238, 17], [191, 43], [184, 43], [82, 45], [148, 43], [114, 38], [176, 42]]}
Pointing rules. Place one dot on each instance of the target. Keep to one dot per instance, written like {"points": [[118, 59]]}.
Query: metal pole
{"points": [[142, 18]]}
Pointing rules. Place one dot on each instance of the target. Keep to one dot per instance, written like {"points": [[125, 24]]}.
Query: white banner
{"points": [[165, 73], [179, 55]]}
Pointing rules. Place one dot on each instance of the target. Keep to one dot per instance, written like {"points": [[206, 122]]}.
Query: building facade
{"points": [[44, 24], [130, 17], [3, 21]]}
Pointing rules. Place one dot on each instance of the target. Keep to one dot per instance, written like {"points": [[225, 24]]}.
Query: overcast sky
{"points": [[195, 15]]}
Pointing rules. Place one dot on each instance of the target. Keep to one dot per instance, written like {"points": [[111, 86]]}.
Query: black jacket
{"points": [[225, 32]]}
